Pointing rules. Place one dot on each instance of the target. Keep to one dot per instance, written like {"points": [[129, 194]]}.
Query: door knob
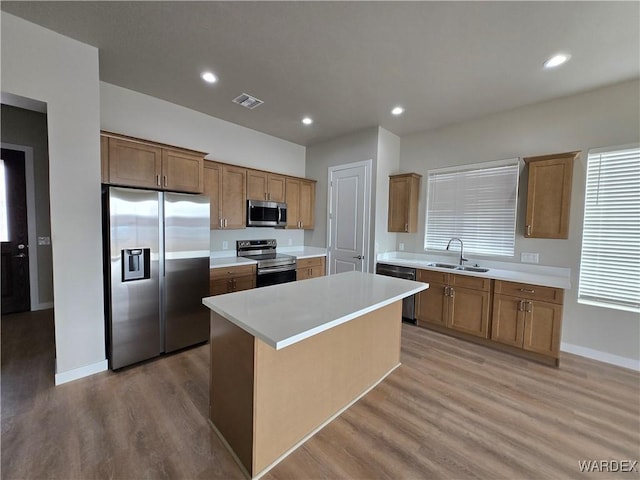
{"points": [[359, 257]]}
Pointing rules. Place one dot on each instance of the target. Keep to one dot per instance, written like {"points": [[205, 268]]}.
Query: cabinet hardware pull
{"points": [[164, 178], [529, 307], [220, 222], [158, 180], [225, 223], [406, 227], [527, 290], [521, 306], [528, 229]]}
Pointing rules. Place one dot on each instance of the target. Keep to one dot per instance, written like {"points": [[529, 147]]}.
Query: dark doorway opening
{"points": [[14, 241]]}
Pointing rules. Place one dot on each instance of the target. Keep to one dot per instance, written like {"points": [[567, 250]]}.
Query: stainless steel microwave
{"points": [[266, 214]]}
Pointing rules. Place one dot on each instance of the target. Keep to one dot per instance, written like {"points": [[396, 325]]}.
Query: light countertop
{"points": [[284, 314], [556, 277], [227, 258]]}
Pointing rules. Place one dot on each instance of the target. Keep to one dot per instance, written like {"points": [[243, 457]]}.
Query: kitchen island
{"points": [[287, 359]]}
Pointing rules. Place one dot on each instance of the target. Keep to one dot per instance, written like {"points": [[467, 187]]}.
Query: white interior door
{"points": [[349, 213]]}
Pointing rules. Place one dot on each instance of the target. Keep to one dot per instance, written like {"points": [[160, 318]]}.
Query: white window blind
{"points": [[610, 260], [476, 203]]}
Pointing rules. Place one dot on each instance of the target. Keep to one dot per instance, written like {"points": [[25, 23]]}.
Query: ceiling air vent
{"points": [[247, 101]]}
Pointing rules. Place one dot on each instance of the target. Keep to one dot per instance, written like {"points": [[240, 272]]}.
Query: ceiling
{"points": [[347, 64]]}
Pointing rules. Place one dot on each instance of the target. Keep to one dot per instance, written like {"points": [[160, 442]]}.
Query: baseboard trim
{"points": [[605, 357], [76, 373], [42, 306]]}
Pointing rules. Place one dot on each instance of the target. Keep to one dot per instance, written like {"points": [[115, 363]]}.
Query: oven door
{"points": [[275, 275]]}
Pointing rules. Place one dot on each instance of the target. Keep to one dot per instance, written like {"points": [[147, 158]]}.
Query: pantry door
{"points": [[348, 217]]}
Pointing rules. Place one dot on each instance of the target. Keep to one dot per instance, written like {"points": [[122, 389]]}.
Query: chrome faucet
{"points": [[462, 259]]}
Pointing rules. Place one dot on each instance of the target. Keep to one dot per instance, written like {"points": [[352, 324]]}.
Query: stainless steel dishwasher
{"points": [[408, 273]]}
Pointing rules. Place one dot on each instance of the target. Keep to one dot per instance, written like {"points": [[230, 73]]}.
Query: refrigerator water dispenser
{"points": [[135, 264]]}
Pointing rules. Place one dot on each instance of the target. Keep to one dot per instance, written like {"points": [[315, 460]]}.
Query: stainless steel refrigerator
{"points": [[156, 265]]}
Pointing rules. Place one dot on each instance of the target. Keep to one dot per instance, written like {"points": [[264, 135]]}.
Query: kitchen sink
{"points": [[459, 267], [473, 269]]}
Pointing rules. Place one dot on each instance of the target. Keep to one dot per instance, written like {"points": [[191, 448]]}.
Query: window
{"points": [[476, 203], [610, 260]]}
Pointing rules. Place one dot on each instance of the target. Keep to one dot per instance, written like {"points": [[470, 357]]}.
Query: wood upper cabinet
{"points": [[265, 186], [138, 163], [182, 171], [301, 200], [231, 279], [528, 317], [404, 195], [458, 302], [226, 187], [310, 268], [549, 195]]}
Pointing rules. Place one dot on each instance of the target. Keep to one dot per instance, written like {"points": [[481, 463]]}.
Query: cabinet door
{"points": [[542, 328], [212, 174], [220, 286], [507, 323], [303, 273], [182, 171], [134, 164], [307, 204], [432, 305], [234, 197], [244, 283], [293, 203], [257, 185], [398, 220], [104, 159], [549, 196], [276, 188], [469, 311]]}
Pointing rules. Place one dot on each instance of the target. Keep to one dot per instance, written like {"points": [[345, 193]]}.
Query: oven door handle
{"points": [[276, 270]]}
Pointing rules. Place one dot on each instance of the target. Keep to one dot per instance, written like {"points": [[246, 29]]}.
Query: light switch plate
{"points": [[225, 245], [401, 247], [528, 257]]}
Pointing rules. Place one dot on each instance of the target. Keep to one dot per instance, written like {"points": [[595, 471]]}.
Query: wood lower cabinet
{"points": [[453, 301], [310, 268], [133, 162], [528, 317], [404, 195], [225, 185], [232, 279], [549, 195], [301, 200], [265, 186]]}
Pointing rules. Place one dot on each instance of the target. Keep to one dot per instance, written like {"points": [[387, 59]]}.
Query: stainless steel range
{"points": [[273, 268]]}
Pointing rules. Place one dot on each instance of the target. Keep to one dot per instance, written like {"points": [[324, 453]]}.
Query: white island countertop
{"points": [[284, 314]]}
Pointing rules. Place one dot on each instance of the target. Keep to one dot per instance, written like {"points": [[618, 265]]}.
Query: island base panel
{"points": [[298, 388]]}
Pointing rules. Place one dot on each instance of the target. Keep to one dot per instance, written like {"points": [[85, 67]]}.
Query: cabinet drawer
{"points": [[532, 292], [431, 276], [309, 262], [475, 283], [224, 272]]}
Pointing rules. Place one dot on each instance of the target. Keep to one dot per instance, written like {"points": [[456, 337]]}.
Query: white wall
{"points": [[605, 117], [132, 113], [42, 65], [388, 164]]}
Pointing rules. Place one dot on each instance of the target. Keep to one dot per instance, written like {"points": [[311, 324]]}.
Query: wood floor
{"points": [[453, 410]]}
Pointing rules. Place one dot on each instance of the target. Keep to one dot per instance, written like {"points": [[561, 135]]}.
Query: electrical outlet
{"points": [[290, 242], [528, 257], [401, 247], [225, 245]]}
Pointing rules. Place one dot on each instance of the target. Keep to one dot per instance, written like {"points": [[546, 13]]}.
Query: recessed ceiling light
{"points": [[557, 60], [397, 111], [209, 77], [307, 121]]}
